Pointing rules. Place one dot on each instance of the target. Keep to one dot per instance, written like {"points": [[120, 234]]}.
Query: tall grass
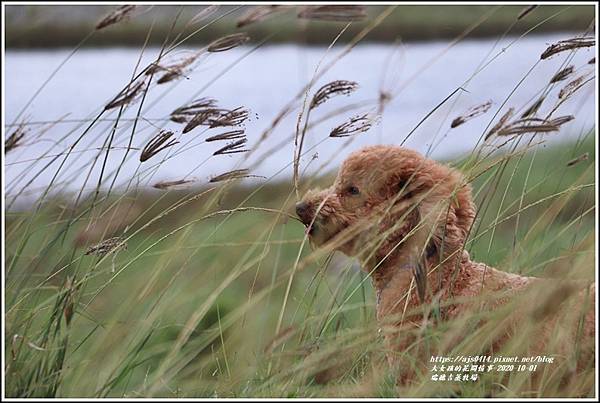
{"points": [[212, 290]]}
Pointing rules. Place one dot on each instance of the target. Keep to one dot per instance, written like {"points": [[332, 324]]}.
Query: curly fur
{"points": [[406, 218]]}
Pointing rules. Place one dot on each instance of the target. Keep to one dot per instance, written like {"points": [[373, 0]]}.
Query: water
{"points": [[264, 80]]}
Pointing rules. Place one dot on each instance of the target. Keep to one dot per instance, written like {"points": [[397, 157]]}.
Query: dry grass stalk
{"points": [[526, 11], [107, 246], [126, 96], [185, 113], [233, 148], [534, 125], [532, 110], [235, 174], [171, 184], [334, 13], [561, 75], [15, 139], [231, 135], [572, 87], [582, 157], [355, 125], [568, 44], [118, 15], [228, 42], [509, 113], [471, 113], [260, 13], [338, 87], [161, 141]]}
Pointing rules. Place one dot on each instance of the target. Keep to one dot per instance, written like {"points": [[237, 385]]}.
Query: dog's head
{"points": [[380, 194]]}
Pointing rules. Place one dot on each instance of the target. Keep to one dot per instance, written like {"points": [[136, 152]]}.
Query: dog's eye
{"points": [[403, 188], [353, 190], [431, 249]]}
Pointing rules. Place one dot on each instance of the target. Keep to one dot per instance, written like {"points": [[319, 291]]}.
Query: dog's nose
{"points": [[302, 211]]}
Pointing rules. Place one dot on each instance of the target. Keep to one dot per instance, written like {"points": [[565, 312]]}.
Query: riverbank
{"points": [[65, 26]]}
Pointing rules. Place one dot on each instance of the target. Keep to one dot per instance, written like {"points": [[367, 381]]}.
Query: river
{"points": [[418, 76]]}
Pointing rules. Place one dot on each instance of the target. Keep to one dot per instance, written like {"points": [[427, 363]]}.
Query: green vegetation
{"points": [[52, 26], [191, 307]]}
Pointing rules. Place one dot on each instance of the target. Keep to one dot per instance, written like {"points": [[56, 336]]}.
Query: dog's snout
{"points": [[302, 210]]}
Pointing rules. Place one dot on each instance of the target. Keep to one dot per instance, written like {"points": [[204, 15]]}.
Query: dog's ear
{"points": [[405, 184], [459, 217]]}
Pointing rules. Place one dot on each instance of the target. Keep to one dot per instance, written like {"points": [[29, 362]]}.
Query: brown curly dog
{"points": [[406, 219]]}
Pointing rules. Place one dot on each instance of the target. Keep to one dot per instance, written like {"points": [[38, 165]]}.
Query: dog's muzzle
{"points": [[303, 211]]}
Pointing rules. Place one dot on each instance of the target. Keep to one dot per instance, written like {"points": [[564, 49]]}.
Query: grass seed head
{"points": [[572, 86], [532, 110], [228, 42], [561, 120], [158, 143], [170, 75], [163, 185], [258, 13], [338, 87], [230, 135], [384, 98], [217, 117], [205, 13], [107, 246], [235, 174], [505, 118], [184, 113], [153, 68], [233, 148], [15, 139], [116, 16], [568, 44], [534, 125], [471, 113], [202, 118], [345, 13], [174, 70], [355, 125], [127, 96], [234, 117], [577, 160], [563, 74]]}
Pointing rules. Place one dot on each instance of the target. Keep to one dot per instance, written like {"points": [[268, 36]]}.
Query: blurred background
{"points": [[39, 26], [404, 67], [208, 287]]}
